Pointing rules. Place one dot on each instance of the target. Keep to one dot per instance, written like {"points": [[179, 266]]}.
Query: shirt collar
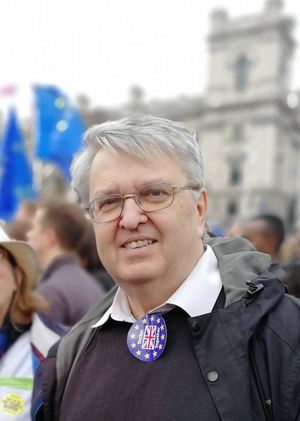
{"points": [[197, 295]]}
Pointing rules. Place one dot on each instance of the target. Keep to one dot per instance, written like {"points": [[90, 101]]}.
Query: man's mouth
{"points": [[139, 243]]}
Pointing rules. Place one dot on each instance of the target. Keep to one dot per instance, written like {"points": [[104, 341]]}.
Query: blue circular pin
{"points": [[147, 337]]}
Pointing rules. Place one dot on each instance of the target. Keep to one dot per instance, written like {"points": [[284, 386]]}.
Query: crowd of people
{"points": [[136, 310], [50, 276], [267, 233]]}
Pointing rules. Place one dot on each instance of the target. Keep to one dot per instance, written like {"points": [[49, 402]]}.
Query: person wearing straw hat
{"points": [[25, 333]]}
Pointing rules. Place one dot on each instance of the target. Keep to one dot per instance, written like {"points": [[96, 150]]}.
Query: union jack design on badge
{"points": [[147, 337]]}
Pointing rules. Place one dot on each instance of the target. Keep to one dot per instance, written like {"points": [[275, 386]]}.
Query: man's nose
{"points": [[132, 215]]}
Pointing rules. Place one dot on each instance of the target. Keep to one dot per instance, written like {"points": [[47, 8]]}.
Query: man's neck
{"points": [[146, 296]]}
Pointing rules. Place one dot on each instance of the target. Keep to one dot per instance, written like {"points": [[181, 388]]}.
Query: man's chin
{"points": [[142, 277]]}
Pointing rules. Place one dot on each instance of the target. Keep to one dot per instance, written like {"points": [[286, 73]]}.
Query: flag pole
{"points": [[37, 164]]}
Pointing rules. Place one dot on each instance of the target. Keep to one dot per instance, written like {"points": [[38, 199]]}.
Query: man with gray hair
{"points": [[194, 330]]}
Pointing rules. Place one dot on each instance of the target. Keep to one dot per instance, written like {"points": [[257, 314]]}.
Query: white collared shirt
{"points": [[197, 295]]}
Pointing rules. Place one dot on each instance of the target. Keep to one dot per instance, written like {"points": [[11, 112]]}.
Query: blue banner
{"points": [[16, 180], [59, 128]]}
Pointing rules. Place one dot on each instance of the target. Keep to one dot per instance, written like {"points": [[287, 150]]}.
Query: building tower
{"points": [[249, 130]]}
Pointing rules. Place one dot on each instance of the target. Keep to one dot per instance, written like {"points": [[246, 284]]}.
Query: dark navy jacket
{"points": [[252, 345]]}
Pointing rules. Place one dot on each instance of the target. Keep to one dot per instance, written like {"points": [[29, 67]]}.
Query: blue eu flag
{"points": [[16, 180], [59, 128]]}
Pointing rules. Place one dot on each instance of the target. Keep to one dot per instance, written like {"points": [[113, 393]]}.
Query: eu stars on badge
{"points": [[147, 337]]}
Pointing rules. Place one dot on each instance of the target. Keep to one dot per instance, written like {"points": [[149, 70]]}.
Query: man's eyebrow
{"points": [[114, 189], [103, 192]]}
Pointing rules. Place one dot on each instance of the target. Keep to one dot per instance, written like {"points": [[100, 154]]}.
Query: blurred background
{"points": [[230, 71]]}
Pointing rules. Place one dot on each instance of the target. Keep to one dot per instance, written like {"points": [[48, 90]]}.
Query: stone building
{"points": [[249, 130], [248, 120]]}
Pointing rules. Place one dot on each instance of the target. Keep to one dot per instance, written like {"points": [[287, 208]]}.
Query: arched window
{"points": [[241, 73]]}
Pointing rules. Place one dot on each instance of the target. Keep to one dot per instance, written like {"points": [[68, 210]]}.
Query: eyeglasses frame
{"points": [[133, 196]]}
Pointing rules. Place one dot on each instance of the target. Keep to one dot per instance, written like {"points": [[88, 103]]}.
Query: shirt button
{"points": [[212, 376], [196, 327]]}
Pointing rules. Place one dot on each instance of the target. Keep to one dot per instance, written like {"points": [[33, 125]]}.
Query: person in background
{"points": [[25, 333], [18, 229], [292, 276], [89, 259], [58, 227], [26, 212], [235, 230], [22, 222], [266, 233]]}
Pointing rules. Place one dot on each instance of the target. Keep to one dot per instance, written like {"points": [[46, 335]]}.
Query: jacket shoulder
{"points": [[94, 313], [283, 321], [78, 336], [73, 344], [63, 356]]}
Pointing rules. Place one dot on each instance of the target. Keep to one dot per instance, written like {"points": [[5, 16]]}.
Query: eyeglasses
{"points": [[149, 198]]}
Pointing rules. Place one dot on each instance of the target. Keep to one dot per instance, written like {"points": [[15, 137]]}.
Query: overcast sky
{"points": [[101, 47]]}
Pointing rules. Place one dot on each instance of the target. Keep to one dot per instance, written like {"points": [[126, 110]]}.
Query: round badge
{"points": [[12, 404], [146, 339]]}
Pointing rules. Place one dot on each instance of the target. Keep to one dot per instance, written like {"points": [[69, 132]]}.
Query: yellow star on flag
{"points": [[158, 321], [162, 327], [133, 345], [138, 352], [136, 327], [144, 321], [152, 318], [132, 336], [160, 346], [154, 354], [162, 337], [147, 356]]}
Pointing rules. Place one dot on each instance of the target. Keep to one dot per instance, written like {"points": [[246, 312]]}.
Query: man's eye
{"points": [[102, 204], [156, 192], [109, 202]]}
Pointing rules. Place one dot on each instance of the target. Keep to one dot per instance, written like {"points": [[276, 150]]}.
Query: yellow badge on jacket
{"points": [[12, 404]]}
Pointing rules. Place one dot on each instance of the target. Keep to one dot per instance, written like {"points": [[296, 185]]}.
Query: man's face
{"points": [[256, 233], [37, 236], [175, 232]]}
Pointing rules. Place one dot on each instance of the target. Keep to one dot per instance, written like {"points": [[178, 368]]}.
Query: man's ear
{"points": [[202, 211], [51, 236]]}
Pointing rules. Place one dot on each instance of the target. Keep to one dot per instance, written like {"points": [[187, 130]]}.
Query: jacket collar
{"points": [[239, 262]]}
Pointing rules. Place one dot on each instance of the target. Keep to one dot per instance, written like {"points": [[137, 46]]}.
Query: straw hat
{"points": [[24, 255]]}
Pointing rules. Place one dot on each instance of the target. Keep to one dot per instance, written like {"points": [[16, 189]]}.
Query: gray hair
{"points": [[140, 136]]}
